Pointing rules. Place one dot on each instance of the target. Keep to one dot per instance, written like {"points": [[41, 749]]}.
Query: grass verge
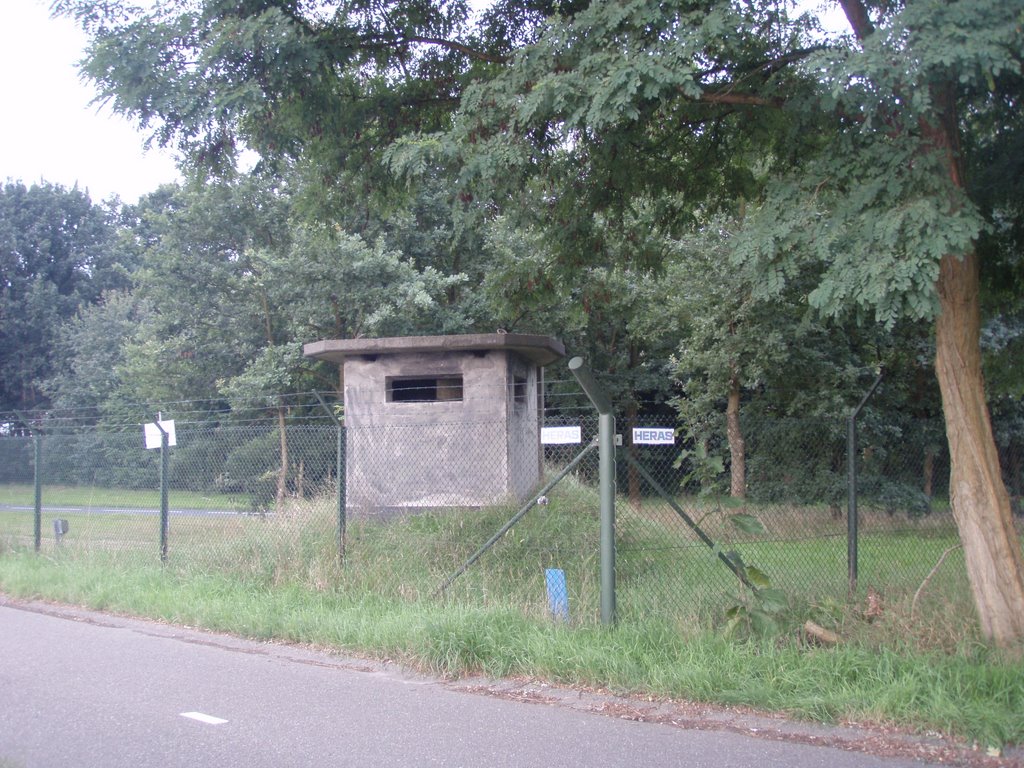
{"points": [[973, 692]]}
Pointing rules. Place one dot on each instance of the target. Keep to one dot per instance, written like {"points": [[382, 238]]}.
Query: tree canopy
{"points": [[866, 176], [56, 257]]}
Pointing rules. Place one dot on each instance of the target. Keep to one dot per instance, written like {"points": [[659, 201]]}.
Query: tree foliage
{"points": [[56, 257], [580, 141]]}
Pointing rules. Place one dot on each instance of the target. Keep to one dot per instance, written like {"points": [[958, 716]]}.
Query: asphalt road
{"points": [[86, 689]]}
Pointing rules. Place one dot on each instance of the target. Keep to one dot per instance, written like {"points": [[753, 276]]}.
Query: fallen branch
{"points": [[822, 635]]}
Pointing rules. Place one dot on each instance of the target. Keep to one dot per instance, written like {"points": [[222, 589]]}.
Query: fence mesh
{"points": [[421, 500], [685, 527]]}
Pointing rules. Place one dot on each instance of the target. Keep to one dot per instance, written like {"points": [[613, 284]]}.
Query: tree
{"points": [[900, 232], [56, 256], [90, 351], [733, 340], [744, 360], [853, 152], [876, 198]]}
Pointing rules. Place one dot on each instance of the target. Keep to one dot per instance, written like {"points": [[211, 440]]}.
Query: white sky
{"points": [[48, 130]]}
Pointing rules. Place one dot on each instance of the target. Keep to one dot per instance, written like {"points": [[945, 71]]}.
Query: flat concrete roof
{"points": [[540, 349]]}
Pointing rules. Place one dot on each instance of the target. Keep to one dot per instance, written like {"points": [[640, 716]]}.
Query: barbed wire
{"points": [[562, 396]]}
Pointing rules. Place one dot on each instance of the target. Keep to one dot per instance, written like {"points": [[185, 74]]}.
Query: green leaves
{"points": [[874, 218], [748, 524], [57, 254]]}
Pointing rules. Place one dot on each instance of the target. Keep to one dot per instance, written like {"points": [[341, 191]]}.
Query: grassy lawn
{"points": [[23, 495], [918, 664]]}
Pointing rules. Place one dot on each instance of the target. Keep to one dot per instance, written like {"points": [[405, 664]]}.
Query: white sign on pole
{"points": [[561, 435], [152, 434], [654, 436]]}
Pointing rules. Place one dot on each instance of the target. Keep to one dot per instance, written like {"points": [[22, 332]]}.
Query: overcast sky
{"points": [[49, 131]]}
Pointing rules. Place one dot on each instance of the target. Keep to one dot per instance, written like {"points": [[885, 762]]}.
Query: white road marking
{"points": [[208, 719]]}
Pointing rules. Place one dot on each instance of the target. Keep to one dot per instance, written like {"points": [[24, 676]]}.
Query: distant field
{"points": [[23, 495]]}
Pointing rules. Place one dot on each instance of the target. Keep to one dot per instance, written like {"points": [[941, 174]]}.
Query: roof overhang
{"points": [[540, 349]]}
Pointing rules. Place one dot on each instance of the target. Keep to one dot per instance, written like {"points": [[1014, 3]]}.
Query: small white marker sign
{"points": [[561, 435], [654, 436], [152, 434]]}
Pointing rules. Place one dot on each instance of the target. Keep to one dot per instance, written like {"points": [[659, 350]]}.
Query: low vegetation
{"points": [[281, 576]]}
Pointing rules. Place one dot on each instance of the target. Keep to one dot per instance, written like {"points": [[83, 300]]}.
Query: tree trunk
{"points": [[977, 494], [737, 446], [929, 473], [633, 477]]}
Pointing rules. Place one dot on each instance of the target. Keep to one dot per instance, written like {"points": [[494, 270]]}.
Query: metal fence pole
{"points": [[37, 477], [340, 469], [341, 492], [851, 488], [164, 479], [606, 464]]}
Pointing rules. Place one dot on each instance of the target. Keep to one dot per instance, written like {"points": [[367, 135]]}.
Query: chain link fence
{"points": [[268, 504], [691, 524]]}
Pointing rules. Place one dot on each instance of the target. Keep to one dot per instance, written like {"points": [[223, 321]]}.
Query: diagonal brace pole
{"points": [[515, 519], [690, 522]]}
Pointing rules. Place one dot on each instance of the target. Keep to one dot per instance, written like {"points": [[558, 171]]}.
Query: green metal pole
{"points": [[852, 534], [164, 457], [341, 493], [606, 474], [340, 468], [606, 463], [701, 534], [37, 474], [851, 503]]}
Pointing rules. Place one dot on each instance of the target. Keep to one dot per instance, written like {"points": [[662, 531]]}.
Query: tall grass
{"points": [[281, 576]]}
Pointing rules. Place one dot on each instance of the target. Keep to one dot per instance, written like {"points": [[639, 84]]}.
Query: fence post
{"points": [[606, 463], [340, 468], [341, 492], [37, 478], [164, 479], [851, 487]]}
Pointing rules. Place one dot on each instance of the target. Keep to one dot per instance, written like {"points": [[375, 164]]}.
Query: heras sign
{"points": [[561, 435], [653, 436]]}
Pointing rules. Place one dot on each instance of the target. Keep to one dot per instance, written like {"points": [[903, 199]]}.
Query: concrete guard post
{"points": [[606, 480]]}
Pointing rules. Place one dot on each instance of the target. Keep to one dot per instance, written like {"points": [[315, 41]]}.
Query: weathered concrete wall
{"points": [[524, 451], [425, 466], [366, 388], [478, 451]]}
